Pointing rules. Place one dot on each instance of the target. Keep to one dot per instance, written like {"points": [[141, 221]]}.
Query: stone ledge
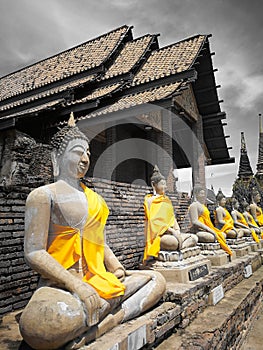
{"points": [[146, 329], [224, 325]]}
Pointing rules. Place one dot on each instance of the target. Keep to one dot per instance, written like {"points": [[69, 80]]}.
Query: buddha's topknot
{"points": [[156, 176], [69, 132]]}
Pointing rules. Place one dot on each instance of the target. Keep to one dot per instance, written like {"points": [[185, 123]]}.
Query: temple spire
{"points": [[245, 171], [260, 149]]}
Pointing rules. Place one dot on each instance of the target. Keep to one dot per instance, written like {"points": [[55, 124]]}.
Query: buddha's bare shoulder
{"points": [[42, 194]]}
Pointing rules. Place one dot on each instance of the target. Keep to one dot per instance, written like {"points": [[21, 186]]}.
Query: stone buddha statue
{"points": [[240, 221], [250, 220], [201, 221], [162, 231], [255, 209], [84, 290], [224, 221]]}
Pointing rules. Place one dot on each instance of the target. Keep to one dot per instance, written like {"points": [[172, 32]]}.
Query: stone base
{"points": [[214, 253], [253, 245], [240, 246], [184, 271], [180, 255]]}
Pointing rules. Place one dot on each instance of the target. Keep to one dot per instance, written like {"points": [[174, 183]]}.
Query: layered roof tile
{"points": [[76, 60]]}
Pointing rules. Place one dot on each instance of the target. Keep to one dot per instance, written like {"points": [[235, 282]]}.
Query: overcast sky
{"points": [[31, 30]]}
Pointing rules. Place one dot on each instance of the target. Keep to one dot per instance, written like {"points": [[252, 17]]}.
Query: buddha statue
{"points": [[224, 221], [240, 221], [250, 220], [255, 209], [84, 290], [162, 231], [201, 222]]}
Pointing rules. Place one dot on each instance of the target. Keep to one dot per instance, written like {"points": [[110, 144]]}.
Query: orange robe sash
{"points": [[259, 216], [158, 218], [67, 247], [243, 221], [206, 220]]}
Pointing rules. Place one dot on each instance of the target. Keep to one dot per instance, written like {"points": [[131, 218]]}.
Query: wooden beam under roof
{"points": [[212, 126], [218, 115], [219, 149], [216, 138], [208, 72], [207, 104], [207, 89]]}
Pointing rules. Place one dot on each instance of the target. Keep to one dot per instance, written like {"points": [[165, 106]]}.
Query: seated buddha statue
{"points": [[250, 220], [255, 208], [241, 222], [162, 231], [84, 290], [224, 221], [201, 221]]}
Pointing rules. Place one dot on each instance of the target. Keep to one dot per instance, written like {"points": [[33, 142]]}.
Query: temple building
{"points": [[138, 103]]}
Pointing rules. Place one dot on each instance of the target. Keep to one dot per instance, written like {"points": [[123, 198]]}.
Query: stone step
{"points": [[182, 304], [224, 325]]}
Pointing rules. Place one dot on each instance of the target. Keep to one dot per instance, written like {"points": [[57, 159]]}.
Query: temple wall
{"points": [[30, 167]]}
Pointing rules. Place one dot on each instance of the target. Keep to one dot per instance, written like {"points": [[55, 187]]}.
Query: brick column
{"points": [[164, 140], [111, 138], [199, 159]]}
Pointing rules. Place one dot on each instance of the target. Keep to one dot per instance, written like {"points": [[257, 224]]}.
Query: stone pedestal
{"points": [[240, 246], [253, 245], [182, 266], [215, 253]]}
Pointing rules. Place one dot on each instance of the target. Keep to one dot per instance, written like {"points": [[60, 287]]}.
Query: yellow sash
{"points": [[66, 247], [229, 222], [259, 216], [205, 219], [243, 221], [158, 218]]}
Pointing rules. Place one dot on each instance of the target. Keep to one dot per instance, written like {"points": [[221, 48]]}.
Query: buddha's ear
{"points": [[54, 159]]}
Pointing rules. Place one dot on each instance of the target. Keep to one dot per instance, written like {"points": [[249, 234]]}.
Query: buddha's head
{"points": [[70, 154], [255, 196], [158, 181], [246, 206], [235, 203], [221, 200], [200, 194]]}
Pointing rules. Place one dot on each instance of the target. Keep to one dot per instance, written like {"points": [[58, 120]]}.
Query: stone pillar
{"points": [[165, 157], [111, 162], [199, 159]]}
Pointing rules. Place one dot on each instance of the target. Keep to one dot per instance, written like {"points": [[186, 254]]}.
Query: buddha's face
{"points": [[236, 205], [201, 196], [257, 198], [160, 187], [222, 202], [247, 208], [75, 160]]}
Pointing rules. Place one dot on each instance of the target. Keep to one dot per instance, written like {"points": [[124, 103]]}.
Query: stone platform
{"points": [[240, 246], [183, 303], [181, 266], [186, 310], [215, 253]]}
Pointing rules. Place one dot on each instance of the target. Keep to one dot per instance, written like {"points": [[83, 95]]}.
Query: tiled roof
{"points": [[99, 93], [49, 92], [147, 96], [170, 60], [39, 108], [78, 59], [129, 56]]}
